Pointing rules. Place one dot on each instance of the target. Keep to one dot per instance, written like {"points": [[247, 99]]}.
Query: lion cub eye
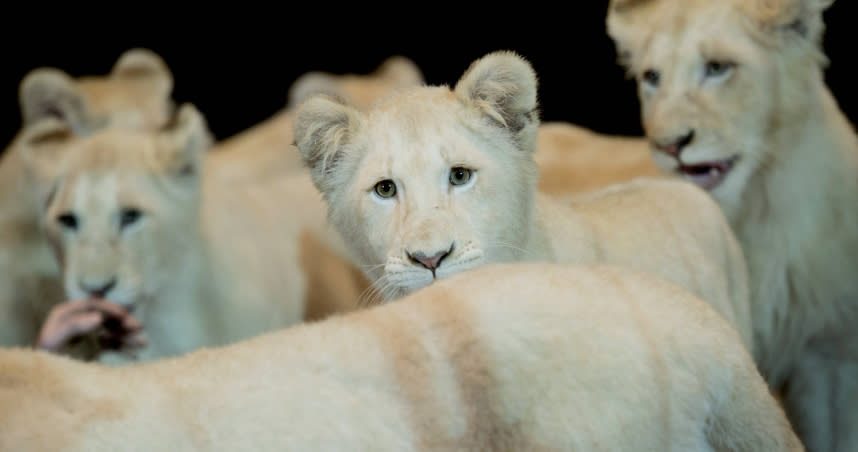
{"points": [[68, 221], [129, 216], [651, 77], [385, 189], [717, 68], [460, 175]]}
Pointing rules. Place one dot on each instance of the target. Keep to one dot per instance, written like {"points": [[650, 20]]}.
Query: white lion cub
{"points": [[432, 182], [135, 220], [506, 357], [733, 97], [135, 94]]}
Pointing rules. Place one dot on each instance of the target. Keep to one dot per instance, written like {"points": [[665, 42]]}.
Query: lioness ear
{"points": [[51, 93], [401, 71], [802, 17], [184, 141], [309, 84], [502, 85], [146, 66], [323, 129]]}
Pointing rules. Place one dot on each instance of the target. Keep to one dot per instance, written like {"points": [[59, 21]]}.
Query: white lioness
{"points": [[506, 357], [432, 182], [136, 220], [734, 98], [265, 149], [135, 94]]}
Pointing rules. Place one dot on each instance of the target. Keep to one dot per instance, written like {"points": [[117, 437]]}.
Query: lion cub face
{"points": [[431, 182], [715, 79], [122, 207]]}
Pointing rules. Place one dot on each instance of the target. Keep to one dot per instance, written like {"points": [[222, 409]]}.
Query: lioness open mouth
{"points": [[707, 175]]}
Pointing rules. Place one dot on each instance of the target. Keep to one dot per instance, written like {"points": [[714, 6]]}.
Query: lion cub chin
{"points": [[505, 357], [435, 181]]}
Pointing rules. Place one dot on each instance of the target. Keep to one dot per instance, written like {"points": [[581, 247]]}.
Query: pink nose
{"points": [[674, 146], [430, 262]]}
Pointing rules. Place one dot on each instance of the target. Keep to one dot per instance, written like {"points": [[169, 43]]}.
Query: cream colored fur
{"points": [[792, 194], [506, 357], [136, 94], [201, 262], [488, 124], [573, 159], [265, 149]]}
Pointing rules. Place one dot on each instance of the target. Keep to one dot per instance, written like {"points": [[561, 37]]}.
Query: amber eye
{"points": [[718, 68], [459, 175], [68, 221], [651, 77], [129, 216], [385, 189]]}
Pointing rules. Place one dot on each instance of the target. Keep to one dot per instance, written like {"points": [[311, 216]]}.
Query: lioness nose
{"points": [[430, 262], [673, 146], [98, 290]]}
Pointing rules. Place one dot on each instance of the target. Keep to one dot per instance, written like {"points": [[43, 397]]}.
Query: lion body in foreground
{"points": [[506, 357], [266, 148], [136, 94], [432, 182], [137, 218], [757, 126]]}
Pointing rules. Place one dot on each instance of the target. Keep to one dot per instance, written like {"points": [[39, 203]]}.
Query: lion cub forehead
{"points": [[425, 102], [111, 150], [656, 29]]}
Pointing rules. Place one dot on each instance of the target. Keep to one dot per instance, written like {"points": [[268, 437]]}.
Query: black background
{"points": [[236, 65]]}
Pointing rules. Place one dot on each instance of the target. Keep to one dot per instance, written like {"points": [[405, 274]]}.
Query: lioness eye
{"points": [[68, 220], [459, 175], [385, 189], [651, 76], [717, 68], [129, 216]]}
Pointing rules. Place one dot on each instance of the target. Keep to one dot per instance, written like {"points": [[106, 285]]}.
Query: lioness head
{"points": [[136, 93], [122, 205], [716, 79], [360, 90], [431, 181]]}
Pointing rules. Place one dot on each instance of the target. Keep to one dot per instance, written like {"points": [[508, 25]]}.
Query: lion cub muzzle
{"points": [[674, 145], [97, 288], [430, 262]]}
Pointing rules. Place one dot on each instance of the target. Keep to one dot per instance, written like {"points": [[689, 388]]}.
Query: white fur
{"points": [[506, 357]]}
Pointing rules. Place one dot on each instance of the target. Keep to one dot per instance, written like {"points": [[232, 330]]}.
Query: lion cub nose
{"points": [[674, 146], [97, 290], [430, 262]]}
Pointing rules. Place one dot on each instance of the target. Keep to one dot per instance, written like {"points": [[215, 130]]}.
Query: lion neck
{"points": [[800, 232]]}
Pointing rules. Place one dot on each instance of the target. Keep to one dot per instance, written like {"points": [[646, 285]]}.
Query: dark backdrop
{"points": [[236, 65]]}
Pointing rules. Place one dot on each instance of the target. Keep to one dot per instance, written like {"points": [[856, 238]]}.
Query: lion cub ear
{"points": [[802, 17], [502, 85], [623, 30], [324, 127], [146, 66], [184, 141], [51, 93]]}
